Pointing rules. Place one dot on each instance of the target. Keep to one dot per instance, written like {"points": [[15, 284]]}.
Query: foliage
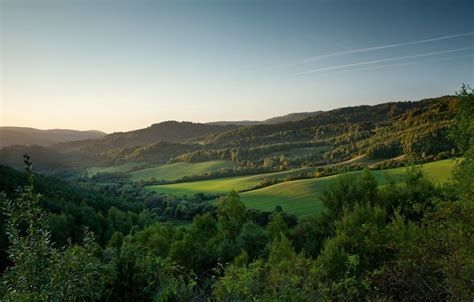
{"points": [[39, 271], [231, 214]]}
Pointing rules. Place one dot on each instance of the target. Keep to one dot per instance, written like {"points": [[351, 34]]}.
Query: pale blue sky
{"points": [[122, 65]]}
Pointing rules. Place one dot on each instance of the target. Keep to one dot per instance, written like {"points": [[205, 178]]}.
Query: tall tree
{"points": [[231, 215]]}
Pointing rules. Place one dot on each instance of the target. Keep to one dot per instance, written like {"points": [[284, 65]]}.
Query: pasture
{"points": [[180, 170], [298, 197]]}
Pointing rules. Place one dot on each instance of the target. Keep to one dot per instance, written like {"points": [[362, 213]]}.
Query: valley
{"points": [[205, 150], [204, 193], [299, 197]]}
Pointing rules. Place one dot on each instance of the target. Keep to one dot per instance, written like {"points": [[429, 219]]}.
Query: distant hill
{"points": [[45, 159], [292, 117], [29, 136], [238, 123], [170, 131], [379, 132]]}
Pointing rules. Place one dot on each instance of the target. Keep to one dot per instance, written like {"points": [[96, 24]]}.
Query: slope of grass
{"points": [[301, 197], [114, 169], [179, 170], [224, 185], [298, 197], [439, 171]]}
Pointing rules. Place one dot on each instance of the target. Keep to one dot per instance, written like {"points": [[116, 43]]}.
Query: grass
{"points": [[223, 185], [301, 197], [298, 197], [179, 170], [439, 171], [114, 169]]}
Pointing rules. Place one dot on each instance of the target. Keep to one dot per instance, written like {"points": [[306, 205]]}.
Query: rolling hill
{"points": [[10, 136], [170, 131], [45, 159], [180, 170], [292, 117], [380, 132], [298, 196]]}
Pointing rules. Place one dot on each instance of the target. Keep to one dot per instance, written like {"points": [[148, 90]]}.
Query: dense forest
{"points": [[112, 240]]}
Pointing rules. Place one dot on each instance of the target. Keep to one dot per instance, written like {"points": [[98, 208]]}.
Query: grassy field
{"points": [[179, 170], [298, 197], [439, 171], [301, 197], [114, 169], [224, 185]]}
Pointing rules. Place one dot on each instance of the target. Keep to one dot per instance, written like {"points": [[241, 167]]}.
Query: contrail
{"points": [[382, 61], [408, 63], [352, 51]]}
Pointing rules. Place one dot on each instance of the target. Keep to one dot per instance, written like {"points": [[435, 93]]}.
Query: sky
{"points": [[123, 65]]}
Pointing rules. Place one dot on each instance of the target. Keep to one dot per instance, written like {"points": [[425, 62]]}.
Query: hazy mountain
{"points": [[238, 123], [29, 136], [292, 117], [44, 158], [170, 131]]}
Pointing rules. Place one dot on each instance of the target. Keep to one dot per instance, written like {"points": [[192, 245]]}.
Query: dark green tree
{"points": [[231, 215]]}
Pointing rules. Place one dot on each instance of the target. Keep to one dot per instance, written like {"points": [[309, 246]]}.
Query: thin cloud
{"points": [[408, 63], [381, 61], [367, 49]]}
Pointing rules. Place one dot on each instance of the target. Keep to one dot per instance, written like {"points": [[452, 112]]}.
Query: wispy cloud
{"points": [[408, 63], [367, 49], [381, 61]]}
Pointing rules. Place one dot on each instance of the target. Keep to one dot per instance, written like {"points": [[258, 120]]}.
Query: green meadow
{"points": [[224, 185], [180, 170], [301, 197], [298, 197]]}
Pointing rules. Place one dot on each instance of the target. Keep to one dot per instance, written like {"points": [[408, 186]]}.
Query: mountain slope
{"points": [[292, 117], [328, 124], [170, 131], [381, 131], [29, 136]]}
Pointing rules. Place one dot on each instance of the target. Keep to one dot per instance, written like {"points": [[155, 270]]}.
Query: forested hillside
{"points": [[380, 132], [171, 131], [418, 129]]}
